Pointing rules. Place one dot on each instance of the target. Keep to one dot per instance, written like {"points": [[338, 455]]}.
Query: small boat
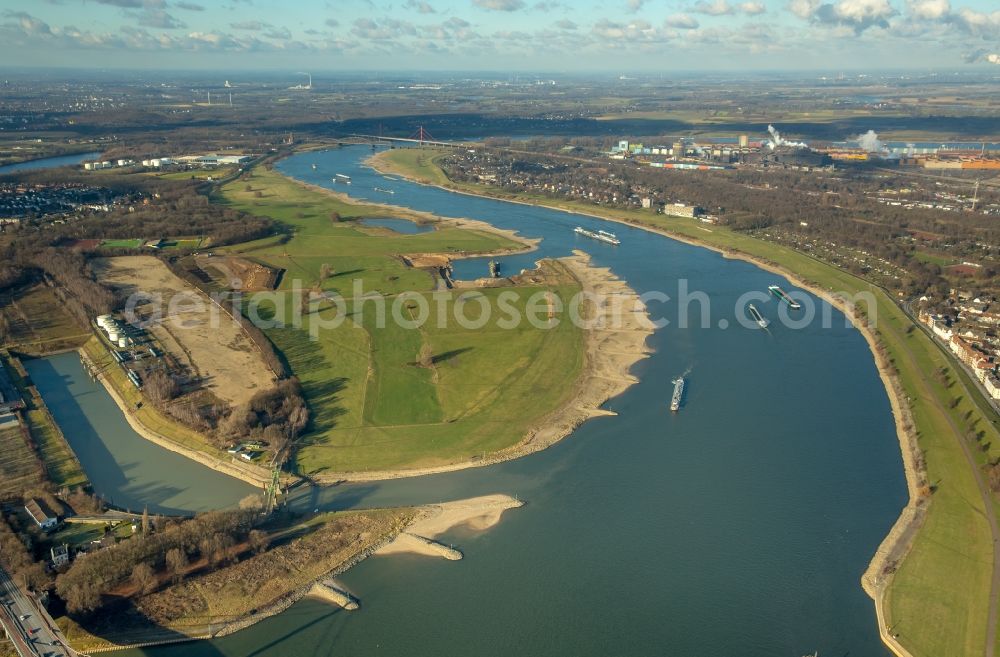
{"points": [[383, 190], [314, 167], [341, 178], [757, 317]]}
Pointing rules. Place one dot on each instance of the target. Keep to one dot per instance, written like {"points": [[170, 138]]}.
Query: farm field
{"points": [[36, 322], [19, 470]]}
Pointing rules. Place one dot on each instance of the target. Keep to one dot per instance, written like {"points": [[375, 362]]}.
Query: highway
{"points": [[29, 628]]}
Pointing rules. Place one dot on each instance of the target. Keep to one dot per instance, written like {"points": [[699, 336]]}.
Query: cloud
{"points": [[30, 25], [499, 5], [331, 22], [637, 30], [382, 30], [134, 4], [752, 8], [190, 6], [682, 22], [803, 8], [250, 26], [277, 33], [929, 9], [421, 7], [978, 23], [713, 7], [157, 18], [982, 55], [566, 24], [634, 5], [858, 15]]}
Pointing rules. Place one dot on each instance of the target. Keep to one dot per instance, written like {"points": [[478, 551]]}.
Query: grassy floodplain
{"points": [[938, 600], [376, 404]]}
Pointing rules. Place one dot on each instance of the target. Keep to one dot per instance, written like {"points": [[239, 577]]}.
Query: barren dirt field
{"points": [[219, 352]]}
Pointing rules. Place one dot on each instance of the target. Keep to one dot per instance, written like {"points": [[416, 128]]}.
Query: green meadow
{"points": [[400, 394]]}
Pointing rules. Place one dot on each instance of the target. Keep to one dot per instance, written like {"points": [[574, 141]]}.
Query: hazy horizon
{"points": [[507, 35]]}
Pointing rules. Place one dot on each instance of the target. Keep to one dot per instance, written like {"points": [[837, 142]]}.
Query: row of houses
{"points": [[972, 354]]}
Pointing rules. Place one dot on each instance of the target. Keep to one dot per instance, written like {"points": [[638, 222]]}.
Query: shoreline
{"points": [[220, 466], [899, 538], [610, 352], [421, 217], [431, 520]]}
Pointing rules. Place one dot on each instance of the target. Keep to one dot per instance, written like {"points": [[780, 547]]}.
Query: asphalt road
{"points": [[28, 628]]}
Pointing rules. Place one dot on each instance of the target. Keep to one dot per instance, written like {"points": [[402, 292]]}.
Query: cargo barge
{"points": [[600, 236], [675, 399], [783, 296]]}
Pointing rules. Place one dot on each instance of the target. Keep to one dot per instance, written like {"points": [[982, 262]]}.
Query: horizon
{"points": [[637, 36]]}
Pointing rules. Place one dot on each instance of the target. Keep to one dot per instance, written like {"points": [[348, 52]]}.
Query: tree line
{"points": [[208, 536]]}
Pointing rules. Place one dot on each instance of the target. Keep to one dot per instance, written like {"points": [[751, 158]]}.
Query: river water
{"points": [[737, 527], [48, 162]]}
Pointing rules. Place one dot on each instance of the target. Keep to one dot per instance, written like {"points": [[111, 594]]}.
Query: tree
{"points": [[83, 596], [177, 563], [258, 541], [144, 578], [145, 521]]}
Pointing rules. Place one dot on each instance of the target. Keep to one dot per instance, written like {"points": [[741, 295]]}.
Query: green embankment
{"points": [[938, 601], [383, 396], [146, 414]]}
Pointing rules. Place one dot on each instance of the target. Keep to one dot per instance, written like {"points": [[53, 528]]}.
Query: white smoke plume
{"points": [[777, 140], [870, 142]]}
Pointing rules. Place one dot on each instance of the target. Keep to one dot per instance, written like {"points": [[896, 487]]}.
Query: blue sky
{"points": [[506, 35]]}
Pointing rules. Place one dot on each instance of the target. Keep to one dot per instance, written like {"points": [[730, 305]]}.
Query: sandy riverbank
{"points": [[615, 341], [477, 513], [897, 542]]}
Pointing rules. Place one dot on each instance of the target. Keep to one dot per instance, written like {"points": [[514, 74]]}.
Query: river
{"points": [[48, 162], [739, 526]]}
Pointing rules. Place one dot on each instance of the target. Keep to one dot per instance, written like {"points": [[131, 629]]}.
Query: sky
{"points": [[501, 35]]}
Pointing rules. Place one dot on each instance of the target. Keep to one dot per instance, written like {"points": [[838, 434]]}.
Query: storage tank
{"points": [[123, 342], [113, 336], [102, 320]]}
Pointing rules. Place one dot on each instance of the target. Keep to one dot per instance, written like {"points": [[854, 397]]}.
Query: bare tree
{"points": [[144, 578], [177, 563]]}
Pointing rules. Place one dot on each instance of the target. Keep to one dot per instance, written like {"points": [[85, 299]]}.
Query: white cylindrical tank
{"points": [[89, 166]]}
